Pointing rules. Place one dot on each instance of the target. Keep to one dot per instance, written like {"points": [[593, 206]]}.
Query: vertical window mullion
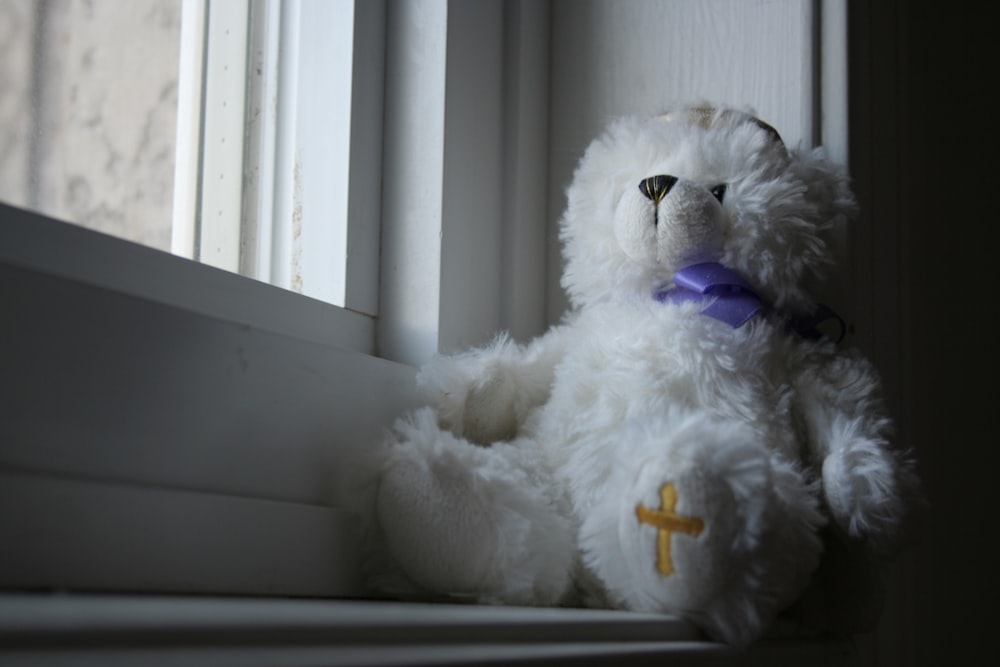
{"points": [[221, 212], [263, 81], [364, 206], [187, 165]]}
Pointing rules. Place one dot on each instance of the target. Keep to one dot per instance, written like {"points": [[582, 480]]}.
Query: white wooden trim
{"points": [[473, 177], [220, 215], [412, 177], [262, 133], [109, 630], [71, 534], [833, 79], [83, 256], [833, 134], [364, 206], [444, 183], [187, 159], [161, 392], [525, 153], [162, 383], [357, 622], [283, 185]]}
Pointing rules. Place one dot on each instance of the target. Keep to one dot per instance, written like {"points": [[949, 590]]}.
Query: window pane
{"points": [[218, 130], [88, 112]]}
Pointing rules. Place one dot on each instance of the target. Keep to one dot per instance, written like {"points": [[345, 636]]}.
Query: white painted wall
{"points": [[614, 57]]}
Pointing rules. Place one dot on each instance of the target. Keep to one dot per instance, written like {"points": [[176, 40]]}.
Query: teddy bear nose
{"points": [[657, 187]]}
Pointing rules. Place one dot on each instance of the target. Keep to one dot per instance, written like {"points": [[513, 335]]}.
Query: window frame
{"points": [[275, 180], [420, 195], [309, 632], [129, 320]]}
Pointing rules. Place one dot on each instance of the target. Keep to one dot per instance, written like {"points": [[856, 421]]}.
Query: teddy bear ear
{"points": [[708, 116]]}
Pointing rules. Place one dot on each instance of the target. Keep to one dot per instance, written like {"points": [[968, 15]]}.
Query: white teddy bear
{"points": [[677, 442]]}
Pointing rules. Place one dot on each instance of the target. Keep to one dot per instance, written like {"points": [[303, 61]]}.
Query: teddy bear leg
{"points": [[470, 521], [703, 521]]}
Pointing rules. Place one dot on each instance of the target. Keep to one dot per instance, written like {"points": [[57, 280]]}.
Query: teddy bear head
{"points": [[653, 195]]}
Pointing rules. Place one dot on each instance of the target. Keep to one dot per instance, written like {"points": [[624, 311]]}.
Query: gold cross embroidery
{"points": [[667, 522]]}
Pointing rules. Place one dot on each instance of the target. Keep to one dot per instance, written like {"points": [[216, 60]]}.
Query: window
{"points": [[100, 91], [275, 149], [271, 168], [260, 181]]}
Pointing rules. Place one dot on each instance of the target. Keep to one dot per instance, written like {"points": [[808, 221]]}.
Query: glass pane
{"points": [[88, 112]]}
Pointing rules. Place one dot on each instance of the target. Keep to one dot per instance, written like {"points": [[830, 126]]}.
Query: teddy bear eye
{"points": [[719, 191]]}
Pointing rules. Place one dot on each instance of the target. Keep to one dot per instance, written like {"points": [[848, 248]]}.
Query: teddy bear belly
{"points": [[608, 387]]}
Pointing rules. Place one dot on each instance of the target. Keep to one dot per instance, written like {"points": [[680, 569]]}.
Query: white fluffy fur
{"points": [[520, 483]]}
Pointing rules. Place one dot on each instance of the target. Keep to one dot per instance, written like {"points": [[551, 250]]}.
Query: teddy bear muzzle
{"points": [[670, 231]]}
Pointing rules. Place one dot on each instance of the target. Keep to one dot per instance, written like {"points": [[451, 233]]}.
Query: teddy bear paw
{"points": [[869, 491], [473, 394], [469, 521], [429, 520]]}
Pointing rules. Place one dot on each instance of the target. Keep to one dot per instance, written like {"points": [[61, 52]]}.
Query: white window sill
{"points": [[172, 427], [149, 630], [52, 247]]}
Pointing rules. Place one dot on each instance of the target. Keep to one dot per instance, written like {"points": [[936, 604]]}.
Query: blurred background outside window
{"points": [[88, 112]]}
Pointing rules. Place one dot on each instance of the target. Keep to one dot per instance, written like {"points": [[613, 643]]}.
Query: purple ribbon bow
{"points": [[732, 300]]}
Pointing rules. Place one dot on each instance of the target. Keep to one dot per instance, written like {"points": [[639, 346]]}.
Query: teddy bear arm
{"points": [[868, 484], [487, 393]]}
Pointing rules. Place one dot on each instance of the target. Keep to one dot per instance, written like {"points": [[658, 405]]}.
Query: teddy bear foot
{"points": [[713, 527], [469, 521]]}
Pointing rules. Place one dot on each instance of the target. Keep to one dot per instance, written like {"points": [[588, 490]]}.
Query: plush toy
{"points": [[676, 444]]}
